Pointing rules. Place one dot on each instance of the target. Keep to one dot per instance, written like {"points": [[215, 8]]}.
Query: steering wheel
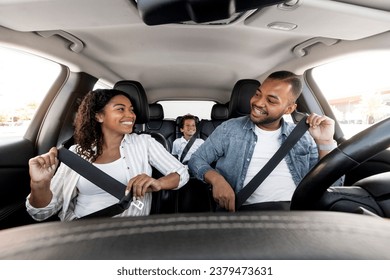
{"points": [[348, 155]]}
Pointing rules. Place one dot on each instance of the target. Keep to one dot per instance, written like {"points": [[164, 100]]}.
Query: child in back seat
{"points": [[188, 128]]}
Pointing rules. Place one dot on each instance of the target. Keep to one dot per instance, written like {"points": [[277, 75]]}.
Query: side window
{"points": [[358, 89], [102, 84], [24, 81]]}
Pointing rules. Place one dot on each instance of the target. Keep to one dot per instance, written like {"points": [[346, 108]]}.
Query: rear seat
{"points": [[157, 123], [219, 114], [238, 106], [196, 196]]}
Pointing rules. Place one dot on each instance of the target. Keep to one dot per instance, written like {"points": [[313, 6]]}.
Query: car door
{"points": [[38, 99]]}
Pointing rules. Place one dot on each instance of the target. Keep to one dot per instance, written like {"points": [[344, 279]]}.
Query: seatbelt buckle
{"points": [[137, 204], [128, 201]]}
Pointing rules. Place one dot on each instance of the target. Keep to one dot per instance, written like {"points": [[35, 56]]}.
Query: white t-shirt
{"points": [[279, 185], [179, 145], [90, 197]]}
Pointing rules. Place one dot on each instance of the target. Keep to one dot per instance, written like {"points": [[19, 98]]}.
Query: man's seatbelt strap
{"points": [[291, 140]]}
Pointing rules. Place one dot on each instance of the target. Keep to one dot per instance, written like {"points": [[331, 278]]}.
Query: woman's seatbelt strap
{"points": [[91, 173], [100, 179]]}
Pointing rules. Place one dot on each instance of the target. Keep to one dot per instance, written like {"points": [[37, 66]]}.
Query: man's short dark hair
{"points": [[291, 78]]}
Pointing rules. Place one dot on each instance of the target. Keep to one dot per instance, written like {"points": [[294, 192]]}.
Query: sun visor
{"points": [[331, 19]]}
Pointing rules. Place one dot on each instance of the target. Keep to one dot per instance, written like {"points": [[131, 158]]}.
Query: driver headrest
{"points": [[242, 92], [137, 93]]}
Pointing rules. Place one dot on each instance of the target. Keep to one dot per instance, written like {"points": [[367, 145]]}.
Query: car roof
{"points": [[108, 39]]}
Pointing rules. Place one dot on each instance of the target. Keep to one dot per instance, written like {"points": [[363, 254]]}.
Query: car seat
{"points": [[219, 114], [157, 123]]}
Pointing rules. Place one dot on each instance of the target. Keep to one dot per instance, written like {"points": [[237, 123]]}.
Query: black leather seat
{"points": [[163, 201], [157, 123], [141, 108], [219, 114], [137, 92], [242, 92], [239, 104]]}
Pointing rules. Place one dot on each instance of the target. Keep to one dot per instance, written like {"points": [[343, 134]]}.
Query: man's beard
{"points": [[267, 120]]}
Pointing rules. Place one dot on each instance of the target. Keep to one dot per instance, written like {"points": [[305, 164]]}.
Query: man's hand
{"points": [[223, 193], [321, 129]]}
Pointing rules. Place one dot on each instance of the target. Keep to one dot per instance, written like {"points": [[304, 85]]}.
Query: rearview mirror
{"points": [[158, 12]]}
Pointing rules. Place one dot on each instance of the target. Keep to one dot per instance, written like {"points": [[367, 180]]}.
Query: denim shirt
{"points": [[231, 146]]}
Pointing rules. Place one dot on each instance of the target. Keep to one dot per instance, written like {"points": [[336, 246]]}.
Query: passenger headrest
{"points": [[137, 93], [156, 112], [219, 112], [239, 101]]}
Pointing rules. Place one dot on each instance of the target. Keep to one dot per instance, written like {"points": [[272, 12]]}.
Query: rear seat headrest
{"points": [[219, 112], [137, 93], [242, 92], [156, 112]]}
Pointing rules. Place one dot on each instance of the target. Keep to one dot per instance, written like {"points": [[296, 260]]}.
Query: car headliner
{"points": [[188, 61]]}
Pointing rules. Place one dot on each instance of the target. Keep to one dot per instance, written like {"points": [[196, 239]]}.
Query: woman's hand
{"points": [[42, 167], [142, 184]]}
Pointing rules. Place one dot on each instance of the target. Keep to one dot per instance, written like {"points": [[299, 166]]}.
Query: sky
{"points": [[358, 74], [23, 79]]}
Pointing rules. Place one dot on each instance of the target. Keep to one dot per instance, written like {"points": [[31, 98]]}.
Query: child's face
{"points": [[189, 128]]}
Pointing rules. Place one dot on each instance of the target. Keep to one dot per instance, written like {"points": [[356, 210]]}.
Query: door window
{"points": [[24, 81], [357, 89]]}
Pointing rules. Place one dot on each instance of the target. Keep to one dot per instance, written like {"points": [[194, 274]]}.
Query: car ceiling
{"points": [[184, 61]]}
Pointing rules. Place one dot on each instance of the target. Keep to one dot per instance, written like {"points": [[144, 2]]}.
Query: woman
{"points": [[103, 135]]}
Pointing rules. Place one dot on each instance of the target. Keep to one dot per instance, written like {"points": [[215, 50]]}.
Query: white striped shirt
{"points": [[140, 153]]}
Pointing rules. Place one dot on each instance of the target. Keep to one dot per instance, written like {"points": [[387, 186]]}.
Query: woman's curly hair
{"points": [[88, 134]]}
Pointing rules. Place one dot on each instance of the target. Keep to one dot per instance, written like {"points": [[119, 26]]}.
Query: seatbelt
{"points": [[291, 140], [100, 179], [188, 146]]}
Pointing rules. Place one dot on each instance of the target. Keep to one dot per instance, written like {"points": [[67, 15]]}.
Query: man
{"points": [[241, 147], [188, 128]]}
